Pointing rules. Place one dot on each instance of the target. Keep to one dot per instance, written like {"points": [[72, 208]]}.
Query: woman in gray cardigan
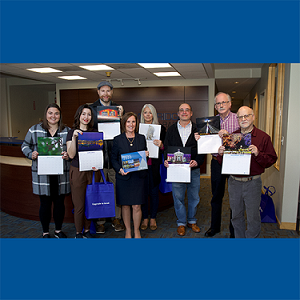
{"points": [[50, 188]]}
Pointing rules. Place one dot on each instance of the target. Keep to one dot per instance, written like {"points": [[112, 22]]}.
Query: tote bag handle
{"points": [[102, 174]]}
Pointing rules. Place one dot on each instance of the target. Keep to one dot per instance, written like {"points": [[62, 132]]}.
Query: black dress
{"points": [[130, 188]]}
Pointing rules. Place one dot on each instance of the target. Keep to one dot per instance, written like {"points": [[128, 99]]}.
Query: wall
{"points": [[4, 129], [286, 180], [22, 104]]}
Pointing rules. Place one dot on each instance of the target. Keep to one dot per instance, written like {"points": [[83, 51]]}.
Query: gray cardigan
{"points": [[41, 183]]}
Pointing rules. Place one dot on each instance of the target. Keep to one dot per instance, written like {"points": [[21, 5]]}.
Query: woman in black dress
{"points": [[130, 186]]}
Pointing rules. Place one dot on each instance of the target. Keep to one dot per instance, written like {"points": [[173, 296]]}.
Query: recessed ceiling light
{"points": [[96, 67], [73, 77], [165, 74], [44, 70], [233, 92], [155, 66], [232, 97], [236, 82]]}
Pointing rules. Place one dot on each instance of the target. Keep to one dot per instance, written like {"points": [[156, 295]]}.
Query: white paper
{"points": [[209, 144], [109, 129], [179, 173], [153, 149], [151, 133], [236, 164], [50, 165], [90, 159]]}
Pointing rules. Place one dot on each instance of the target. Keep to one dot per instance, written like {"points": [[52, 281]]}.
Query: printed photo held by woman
{"points": [[149, 116], [83, 122], [50, 188], [130, 186]]}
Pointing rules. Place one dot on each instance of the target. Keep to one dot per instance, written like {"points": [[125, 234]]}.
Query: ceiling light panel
{"points": [[155, 65], [74, 77], [97, 68], [166, 74], [44, 70]]}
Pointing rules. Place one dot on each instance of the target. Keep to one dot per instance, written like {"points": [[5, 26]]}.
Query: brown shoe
{"points": [[181, 230], [116, 223], [194, 227], [100, 228], [143, 225]]}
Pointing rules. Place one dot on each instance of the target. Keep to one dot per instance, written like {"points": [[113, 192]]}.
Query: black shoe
{"points": [[46, 236], [79, 236], [211, 232], [87, 235], [60, 235]]}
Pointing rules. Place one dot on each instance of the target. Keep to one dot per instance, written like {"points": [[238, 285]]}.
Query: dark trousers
{"points": [[58, 206], [218, 182], [151, 191]]}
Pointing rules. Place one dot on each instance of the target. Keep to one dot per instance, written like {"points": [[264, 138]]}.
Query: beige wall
{"points": [[286, 179]]}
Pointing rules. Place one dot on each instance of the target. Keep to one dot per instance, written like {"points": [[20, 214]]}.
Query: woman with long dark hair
{"points": [[83, 122], [50, 188]]}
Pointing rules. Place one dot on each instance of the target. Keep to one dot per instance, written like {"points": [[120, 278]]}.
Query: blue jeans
{"points": [[178, 192]]}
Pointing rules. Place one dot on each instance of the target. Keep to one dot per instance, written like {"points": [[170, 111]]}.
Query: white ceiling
{"points": [[226, 75]]}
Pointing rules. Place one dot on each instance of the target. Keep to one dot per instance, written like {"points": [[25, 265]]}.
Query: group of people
{"points": [[133, 190]]}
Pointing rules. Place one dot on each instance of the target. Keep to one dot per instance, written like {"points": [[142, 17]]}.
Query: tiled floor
{"points": [[13, 227]]}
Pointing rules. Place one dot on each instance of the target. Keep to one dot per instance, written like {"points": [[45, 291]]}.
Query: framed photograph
{"points": [[51, 146], [108, 114], [237, 142], [179, 155], [90, 141], [134, 161], [208, 125]]}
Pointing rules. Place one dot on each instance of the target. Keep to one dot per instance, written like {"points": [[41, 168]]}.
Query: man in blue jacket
{"points": [[181, 134]]}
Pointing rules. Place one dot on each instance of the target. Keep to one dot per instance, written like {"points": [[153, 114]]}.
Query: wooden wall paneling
{"points": [[88, 96], [69, 103]]}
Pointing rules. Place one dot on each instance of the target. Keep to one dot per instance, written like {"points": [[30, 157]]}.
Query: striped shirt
{"points": [[184, 132]]}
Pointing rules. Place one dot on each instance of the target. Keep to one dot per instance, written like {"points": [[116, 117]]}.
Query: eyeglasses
{"points": [[182, 110], [223, 103], [244, 116]]}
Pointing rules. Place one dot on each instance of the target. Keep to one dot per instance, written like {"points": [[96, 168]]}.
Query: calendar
{"points": [[50, 165], [90, 159], [179, 173]]}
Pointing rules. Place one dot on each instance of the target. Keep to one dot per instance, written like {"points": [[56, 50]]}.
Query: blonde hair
{"points": [[153, 111]]}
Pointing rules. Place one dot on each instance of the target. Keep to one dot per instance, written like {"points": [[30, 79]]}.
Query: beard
{"points": [[106, 100]]}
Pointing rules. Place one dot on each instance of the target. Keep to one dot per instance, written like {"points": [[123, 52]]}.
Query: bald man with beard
{"points": [[245, 191]]}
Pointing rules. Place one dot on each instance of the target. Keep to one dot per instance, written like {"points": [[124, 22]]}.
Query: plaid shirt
{"points": [[230, 123]]}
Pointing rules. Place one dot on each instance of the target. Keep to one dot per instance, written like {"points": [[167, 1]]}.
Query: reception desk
{"points": [[17, 198]]}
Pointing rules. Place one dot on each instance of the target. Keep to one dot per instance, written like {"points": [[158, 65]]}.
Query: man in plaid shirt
{"points": [[228, 124]]}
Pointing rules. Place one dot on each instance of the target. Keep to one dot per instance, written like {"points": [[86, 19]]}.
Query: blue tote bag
{"points": [[164, 187], [99, 199], [267, 209]]}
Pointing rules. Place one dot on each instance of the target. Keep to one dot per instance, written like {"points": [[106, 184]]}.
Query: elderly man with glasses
{"points": [[245, 191], [228, 124]]}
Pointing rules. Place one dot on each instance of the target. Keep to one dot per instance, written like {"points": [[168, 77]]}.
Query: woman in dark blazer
{"points": [[130, 186]]}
